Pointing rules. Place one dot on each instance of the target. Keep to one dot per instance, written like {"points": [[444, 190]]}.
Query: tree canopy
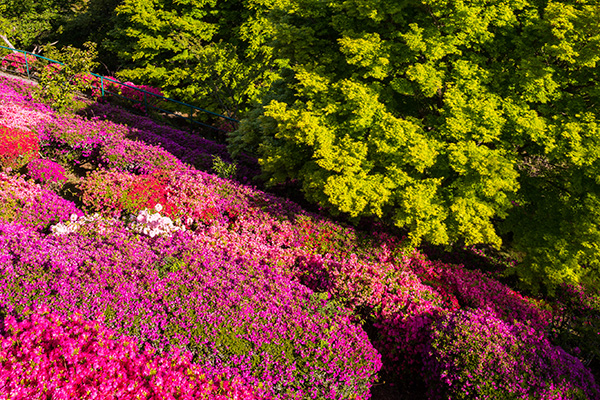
{"points": [[459, 121], [208, 52], [33, 22]]}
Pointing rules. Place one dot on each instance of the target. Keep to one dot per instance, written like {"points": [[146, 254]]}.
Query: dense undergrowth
{"points": [[185, 282]]}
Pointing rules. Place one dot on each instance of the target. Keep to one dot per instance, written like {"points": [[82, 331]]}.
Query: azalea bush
{"points": [[473, 354], [17, 147], [19, 62], [180, 194], [153, 224], [142, 101], [46, 355], [29, 204], [47, 172], [135, 156]]}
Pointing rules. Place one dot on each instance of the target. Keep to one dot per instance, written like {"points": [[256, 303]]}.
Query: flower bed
{"points": [[235, 317], [472, 354], [251, 284]]}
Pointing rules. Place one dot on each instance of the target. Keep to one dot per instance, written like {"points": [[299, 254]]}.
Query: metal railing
{"points": [[144, 97]]}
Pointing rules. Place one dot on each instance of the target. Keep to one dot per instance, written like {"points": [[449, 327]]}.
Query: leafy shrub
{"points": [[91, 83], [223, 169], [58, 83], [17, 147], [473, 354], [576, 321], [47, 355]]}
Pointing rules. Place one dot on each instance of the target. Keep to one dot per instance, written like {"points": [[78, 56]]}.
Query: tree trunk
{"points": [[8, 43]]}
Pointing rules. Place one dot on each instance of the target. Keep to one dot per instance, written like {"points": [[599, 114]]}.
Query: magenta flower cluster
{"points": [[29, 204], [46, 171], [75, 358], [237, 317], [142, 100]]}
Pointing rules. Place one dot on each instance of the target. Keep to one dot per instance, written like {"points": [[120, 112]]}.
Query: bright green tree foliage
{"points": [[58, 84], [455, 119], [206, 52]]}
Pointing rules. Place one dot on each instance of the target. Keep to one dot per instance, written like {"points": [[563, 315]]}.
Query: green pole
{"points": [[102, 85], [27, 66]]}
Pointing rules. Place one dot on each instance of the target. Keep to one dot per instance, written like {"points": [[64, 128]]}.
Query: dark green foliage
{"points": [[576, 322], [35, 22]]}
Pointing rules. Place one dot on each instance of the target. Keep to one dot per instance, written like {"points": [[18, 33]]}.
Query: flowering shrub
{"points": [[130, 90], [136, 156], [182, 194], [19, 62], [48, 356], [29, 204], [476, 289], [473, 354], [17, 115], [153, 224], [111, 85], [94, 224], [17, 147], [46, 171], [105, 191], [112, 192]]}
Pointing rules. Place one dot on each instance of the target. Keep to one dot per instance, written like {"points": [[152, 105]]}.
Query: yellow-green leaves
{"points": [[368, 52], [576, 33], [454, 120]]}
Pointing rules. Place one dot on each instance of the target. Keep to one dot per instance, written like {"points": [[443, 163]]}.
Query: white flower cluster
{"points": [[153, 224], [145, 223], [74, 224]]}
